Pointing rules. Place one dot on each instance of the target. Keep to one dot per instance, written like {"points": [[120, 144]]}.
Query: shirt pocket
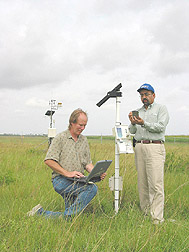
{"points": [[152, 118], [84, 159]]}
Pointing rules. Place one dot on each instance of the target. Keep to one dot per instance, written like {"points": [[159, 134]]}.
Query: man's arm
{"points": [[160, 125], [55, 166], [89, 167], [132, 126]]}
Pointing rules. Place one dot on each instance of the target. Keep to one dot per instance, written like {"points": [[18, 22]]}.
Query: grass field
{"points": [[25, 181]]}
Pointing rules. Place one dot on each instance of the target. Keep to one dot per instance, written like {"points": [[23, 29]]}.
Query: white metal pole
{"points": [[51, 119], [117, 157]]}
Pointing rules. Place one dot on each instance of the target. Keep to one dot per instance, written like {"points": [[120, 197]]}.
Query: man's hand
{"points": [[103, 175], [135, 120], [74, 174], [131, 118], [59, 169], [138, 120]]}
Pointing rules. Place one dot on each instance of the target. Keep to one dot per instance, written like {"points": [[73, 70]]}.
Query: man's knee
{"points": [[94, 189]]}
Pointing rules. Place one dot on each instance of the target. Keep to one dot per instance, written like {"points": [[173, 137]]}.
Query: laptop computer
{"points": [[94, 176]]}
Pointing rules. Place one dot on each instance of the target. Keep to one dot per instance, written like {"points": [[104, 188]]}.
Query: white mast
{"points": [[118, 123], [117, 94]]}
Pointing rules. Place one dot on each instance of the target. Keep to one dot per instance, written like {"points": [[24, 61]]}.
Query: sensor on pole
{"points": [[52, 130]]}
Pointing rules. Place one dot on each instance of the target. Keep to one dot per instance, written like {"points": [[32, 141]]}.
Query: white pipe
{"points": [[117, 157], [118, 101], [116, 188]]}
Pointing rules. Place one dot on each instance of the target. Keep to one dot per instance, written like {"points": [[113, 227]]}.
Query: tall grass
{"points": [[25, 181]]}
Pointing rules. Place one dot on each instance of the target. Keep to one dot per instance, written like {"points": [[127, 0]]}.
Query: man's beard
{"points": [[146, 102]]}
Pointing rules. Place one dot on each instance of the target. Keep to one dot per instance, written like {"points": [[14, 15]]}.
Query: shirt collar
{"points": [[70, 136], [150, 106]]}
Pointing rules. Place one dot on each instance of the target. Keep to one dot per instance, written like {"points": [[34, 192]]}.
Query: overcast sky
{"points": [[76, 51]]}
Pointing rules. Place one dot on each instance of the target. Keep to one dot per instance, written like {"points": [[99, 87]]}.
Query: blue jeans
{"points": [[76, 196]]}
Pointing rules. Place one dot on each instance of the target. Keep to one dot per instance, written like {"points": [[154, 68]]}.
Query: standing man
{"points": [[149, 129], [68, 156]]}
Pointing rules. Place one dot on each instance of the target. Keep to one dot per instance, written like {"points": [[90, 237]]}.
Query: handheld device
{"points": [[135, 113]]}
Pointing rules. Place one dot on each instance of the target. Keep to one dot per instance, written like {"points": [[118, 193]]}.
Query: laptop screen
{"points": [[99, 168]]}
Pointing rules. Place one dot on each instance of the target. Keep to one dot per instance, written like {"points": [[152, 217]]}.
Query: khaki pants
{"points": [[150, 159]]}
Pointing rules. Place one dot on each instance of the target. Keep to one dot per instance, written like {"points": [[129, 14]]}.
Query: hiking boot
{"points": [[34, 210]]}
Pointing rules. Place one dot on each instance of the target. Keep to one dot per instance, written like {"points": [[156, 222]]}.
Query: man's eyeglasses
{"points": [[145, 94]]}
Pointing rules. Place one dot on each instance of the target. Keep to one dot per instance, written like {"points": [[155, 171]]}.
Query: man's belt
{"points": [[150, 141]]}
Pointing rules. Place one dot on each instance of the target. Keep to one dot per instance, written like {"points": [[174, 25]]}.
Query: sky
{"points": [[75, 52]]}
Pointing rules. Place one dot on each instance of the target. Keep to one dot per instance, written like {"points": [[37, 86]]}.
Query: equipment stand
{"points": [[52, 131], [117, 94], [117, 157]]}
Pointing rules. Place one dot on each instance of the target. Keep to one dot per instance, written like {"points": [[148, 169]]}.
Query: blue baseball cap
{"points": [[147, 87]]}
